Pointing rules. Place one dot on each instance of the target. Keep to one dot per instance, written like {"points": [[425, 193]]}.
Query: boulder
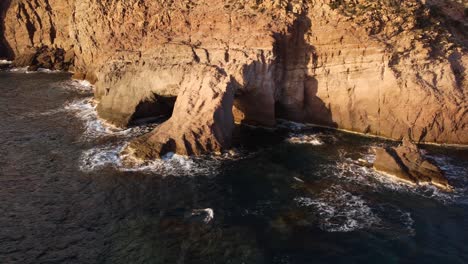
{"points": [[407, 163], [44, 57]]}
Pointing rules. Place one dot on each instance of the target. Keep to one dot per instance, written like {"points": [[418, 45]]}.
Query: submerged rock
{"points": [[407, 163]]}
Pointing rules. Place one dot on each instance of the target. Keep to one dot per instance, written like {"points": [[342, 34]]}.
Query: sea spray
{"points": [[110, 155], [5, 62], [340, 211], [311, 139]]}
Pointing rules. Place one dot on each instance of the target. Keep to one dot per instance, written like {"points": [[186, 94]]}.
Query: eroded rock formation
{"points": [[407, 164], [388, 68], [202, 121]]}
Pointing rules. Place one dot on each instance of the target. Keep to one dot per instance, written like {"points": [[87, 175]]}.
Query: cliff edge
{"points": [[388, 68]]}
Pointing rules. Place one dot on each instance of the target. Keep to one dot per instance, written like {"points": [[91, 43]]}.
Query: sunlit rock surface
{"points": [[371, 67], [406, 163]]}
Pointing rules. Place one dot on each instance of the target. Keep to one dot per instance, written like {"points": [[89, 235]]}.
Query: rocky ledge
{"points": [[406, 163]]}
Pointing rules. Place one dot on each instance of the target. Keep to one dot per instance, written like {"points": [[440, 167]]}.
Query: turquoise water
{"points": [[290, 195]]}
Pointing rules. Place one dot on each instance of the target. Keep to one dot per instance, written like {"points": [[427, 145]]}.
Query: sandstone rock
{"points": [[408, 164], [202, 121], [367, 66], [25, 59]]}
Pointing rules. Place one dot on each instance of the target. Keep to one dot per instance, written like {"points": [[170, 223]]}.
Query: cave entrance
{"points": [[153, 109]]}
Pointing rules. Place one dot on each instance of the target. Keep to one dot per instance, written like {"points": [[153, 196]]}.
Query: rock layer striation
{"points": [[388, 68]]}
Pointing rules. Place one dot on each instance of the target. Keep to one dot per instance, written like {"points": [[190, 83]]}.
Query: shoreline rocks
{"points": [[406, 163], [45, 58], [373, 67]]}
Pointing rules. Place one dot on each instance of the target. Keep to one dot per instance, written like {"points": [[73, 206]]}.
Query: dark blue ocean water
{"points": [[290, 195]]}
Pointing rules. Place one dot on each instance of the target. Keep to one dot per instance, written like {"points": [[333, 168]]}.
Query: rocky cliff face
{"points": [[389, 68], [5, 51]]}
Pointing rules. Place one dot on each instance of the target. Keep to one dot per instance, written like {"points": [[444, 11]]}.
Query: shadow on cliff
{"points": [[5, 49], [288, 88]]}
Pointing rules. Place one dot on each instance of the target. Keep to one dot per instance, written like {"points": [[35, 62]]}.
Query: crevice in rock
{"points": [[29, 25], [458, 69]]}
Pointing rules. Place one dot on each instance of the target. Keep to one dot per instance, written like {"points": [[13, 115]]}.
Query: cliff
{"points": [[388, 67]]}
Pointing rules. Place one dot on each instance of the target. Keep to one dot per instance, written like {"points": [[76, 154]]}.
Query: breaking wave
{"points": [[170, 165], [100, 157], [79, 86], [85, 109], [304, 139], [79, 107]]}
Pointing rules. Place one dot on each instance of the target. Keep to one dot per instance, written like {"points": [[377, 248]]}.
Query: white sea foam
{"points": [[5, 62], [177, 165], [85, 109], [340, 211], [20, 70], [25, 70], [80, 86], [170, 165], [44, 70], [304, 139], [84, 83], [100, 157]]}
